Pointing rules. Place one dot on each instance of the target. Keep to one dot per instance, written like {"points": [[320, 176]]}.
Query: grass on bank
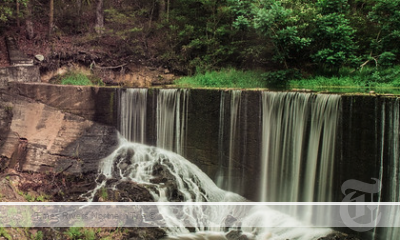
{"points": [[78, 78], [369, 78], [364, 78], [229, 78]]}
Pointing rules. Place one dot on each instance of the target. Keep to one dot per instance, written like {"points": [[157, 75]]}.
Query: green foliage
{"points": [[75, 79], [39, 235], [319, 37], [282, 25], [386, 14], [280, 78], [350, 78], [128, 27], [7, 9], [78, 78], [74, 233], [89, 234], [4, 233], [104, 193], [229, 78], [200, 34], [29, 198], [387, 59], [333, 35], [333, 6]]}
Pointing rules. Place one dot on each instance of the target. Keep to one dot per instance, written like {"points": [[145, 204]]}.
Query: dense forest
{"points": [[288, 38]]}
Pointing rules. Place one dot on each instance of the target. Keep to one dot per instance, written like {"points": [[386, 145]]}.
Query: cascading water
{"points": [[132, 112], [389, 172], [220, 173], [170, 177], [227, 179], [235, 108], [298, 149], [298, 143], [172, 111]]}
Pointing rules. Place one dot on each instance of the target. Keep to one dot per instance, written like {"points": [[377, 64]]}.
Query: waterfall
{"points": [[132, 111], [172, 108], [298, 145], [389, 172], [171, 117], [226, 178], [220, 173], [233, 137], [169, 177]]}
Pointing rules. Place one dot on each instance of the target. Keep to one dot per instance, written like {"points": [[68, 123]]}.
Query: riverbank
{"points": [[367, 80]]}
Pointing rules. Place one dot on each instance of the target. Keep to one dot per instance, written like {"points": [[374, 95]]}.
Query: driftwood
{"points": [[93, 64]]}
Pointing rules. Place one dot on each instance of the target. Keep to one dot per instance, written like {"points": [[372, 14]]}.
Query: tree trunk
{"points": [[151, 14], [168, 7], [79, 6], [161, 9], [29, 24], [99, 26], [51, 18], [18, 22]]}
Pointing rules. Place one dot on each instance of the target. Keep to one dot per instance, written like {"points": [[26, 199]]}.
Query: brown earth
{"points": [[92, 54], [3, 54]]}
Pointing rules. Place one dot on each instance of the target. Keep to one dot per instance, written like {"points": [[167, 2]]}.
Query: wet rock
{"points": [[132, 192], [339, 236], [145, 233], [58, 141], [236, 235]]}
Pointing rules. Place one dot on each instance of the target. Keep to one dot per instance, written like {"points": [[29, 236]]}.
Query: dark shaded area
{"points": [[360, 140], [5, 117], [18, 158], [16, 57], [202, 130]]}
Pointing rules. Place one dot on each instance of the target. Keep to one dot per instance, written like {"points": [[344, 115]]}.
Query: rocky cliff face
{"points": [[58, 139]]}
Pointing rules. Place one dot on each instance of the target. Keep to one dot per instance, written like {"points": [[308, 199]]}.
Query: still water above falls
{"points": [[275, 147]]}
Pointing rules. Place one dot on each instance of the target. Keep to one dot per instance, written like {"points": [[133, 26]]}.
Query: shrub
{"points": [[280, 78], [75, 79], [230, 78], [74, 233]]}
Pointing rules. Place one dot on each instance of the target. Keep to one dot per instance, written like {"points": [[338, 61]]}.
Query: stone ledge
{"points": [[19, 74], [16, 57]]}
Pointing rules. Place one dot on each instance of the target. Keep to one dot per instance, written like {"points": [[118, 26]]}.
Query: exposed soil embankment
{"points": [[64, 54], [3, 54]]}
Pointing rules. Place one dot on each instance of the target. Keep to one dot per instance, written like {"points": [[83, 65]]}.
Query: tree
{"points": [[386, 15], [161, 9], [28, 21], [99, 26], [334, 37], [6, 11], [51, 18], [282, 27]]}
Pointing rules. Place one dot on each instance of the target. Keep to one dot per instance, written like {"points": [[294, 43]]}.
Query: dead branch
{"points": [[119, 66]]}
